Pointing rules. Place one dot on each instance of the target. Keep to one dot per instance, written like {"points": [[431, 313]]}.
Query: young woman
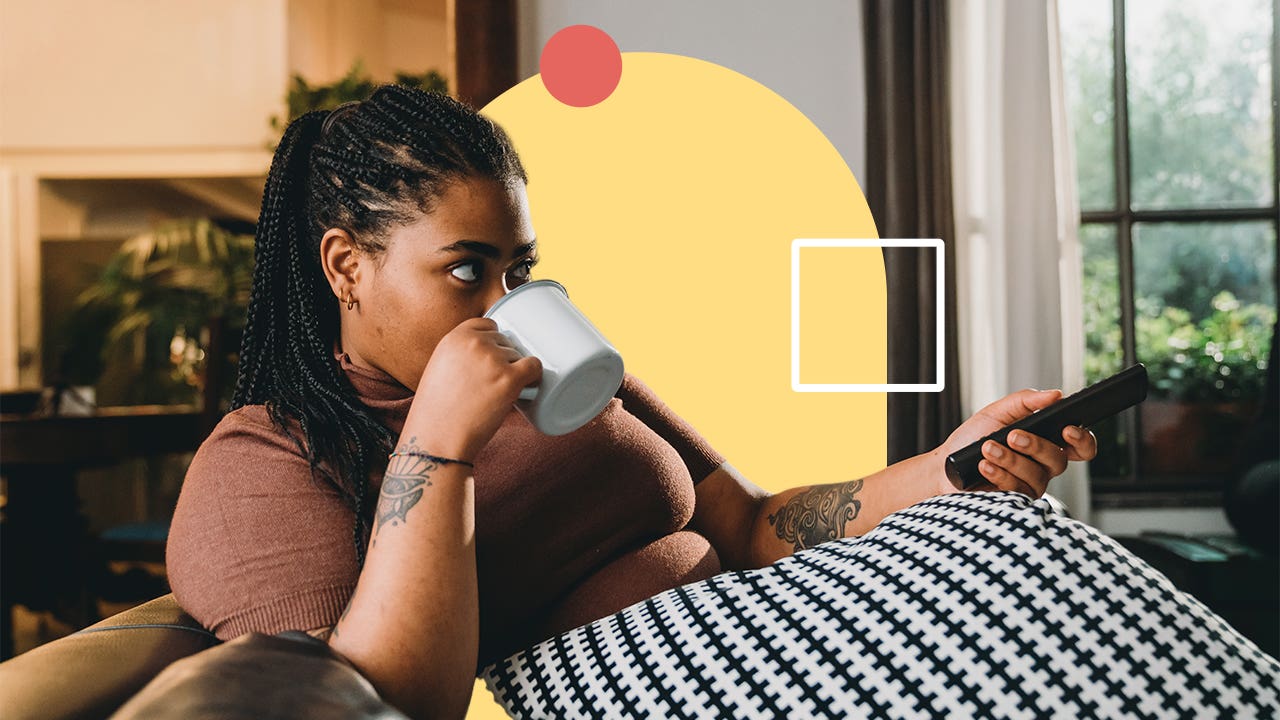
{"points": [[388, 227]]}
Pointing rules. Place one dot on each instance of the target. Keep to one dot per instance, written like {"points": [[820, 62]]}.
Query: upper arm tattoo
{"points": [[407, 476], [817, 515]]}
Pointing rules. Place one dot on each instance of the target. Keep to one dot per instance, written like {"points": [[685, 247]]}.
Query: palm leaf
{"points": [[170, 280]]}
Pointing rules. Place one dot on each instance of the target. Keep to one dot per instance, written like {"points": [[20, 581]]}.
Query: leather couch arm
{"points": [[285, 677], [91, 673]]}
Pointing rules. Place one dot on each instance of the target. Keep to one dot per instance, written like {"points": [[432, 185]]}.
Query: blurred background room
{"points": [[1103, 174]]}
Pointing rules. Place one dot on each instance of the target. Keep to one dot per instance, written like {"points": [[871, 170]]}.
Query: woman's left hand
{"points": [[1029, 462]]}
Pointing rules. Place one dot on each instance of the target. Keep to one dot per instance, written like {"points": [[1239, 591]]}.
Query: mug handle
{"points": [[528, 393]]}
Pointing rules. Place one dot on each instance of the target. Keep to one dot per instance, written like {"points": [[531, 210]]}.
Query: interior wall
{"points": [[808, 52], [200, 75], [139, 74], [326, 37]]}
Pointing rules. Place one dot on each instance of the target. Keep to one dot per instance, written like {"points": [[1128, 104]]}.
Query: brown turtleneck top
{"points": [[568, 529]]}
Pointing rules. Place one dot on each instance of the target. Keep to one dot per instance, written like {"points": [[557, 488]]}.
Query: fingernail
{"points": [[1020, 440], [994, 450], [986, 467]]}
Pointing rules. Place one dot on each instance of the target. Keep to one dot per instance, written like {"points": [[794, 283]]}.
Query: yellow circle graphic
{"points": [[668, 212]]}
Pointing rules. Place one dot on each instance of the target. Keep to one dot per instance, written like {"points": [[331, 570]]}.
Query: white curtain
{"points": [[1018, 253]]}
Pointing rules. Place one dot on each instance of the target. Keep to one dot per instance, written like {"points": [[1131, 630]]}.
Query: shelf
{"points": [[107, 437]]}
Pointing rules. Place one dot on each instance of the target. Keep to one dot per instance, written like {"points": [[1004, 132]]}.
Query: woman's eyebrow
{"points": [[482, 248], [475, 246]]}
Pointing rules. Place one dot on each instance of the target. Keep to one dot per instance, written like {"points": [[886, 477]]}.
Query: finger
{"points": [[510, 354], [1019, 405], [1034, 475], [528, 369], [497, 338], [1040, 450], [1021, 469], [1002, 479], [1082, 443]]}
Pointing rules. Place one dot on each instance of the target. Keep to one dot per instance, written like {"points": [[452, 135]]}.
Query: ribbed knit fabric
{"points": [[568, 528]]}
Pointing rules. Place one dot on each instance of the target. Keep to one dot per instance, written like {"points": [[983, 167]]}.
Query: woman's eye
{"points": [[467, 272], [524, 269], [520, 274]]}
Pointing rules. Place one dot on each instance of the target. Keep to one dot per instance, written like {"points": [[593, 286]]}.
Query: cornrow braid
{"points": [[369, 167]]}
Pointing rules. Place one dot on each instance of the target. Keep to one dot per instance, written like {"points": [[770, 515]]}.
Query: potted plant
{"points": [[303, 97], [164, 301], [1207, 379]]}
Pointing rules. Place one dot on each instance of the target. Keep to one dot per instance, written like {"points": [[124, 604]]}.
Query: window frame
{"points": [[1136, 486]]}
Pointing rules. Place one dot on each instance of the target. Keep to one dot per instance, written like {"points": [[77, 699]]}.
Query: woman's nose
{"points": [[493, 293]]}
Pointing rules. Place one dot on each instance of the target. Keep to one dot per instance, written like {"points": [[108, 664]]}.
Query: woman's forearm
{"points": [[807, 516], [412, 626]]}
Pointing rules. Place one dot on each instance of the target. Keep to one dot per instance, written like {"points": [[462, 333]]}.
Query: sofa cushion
{"points": [[92, 672], [260, 677], [981, 604]]}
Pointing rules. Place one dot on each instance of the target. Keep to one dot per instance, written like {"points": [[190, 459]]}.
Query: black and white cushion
{"points": [[974, 605]]}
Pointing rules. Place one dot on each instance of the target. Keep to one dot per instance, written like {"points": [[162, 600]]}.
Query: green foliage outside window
{"points": [[1200, 103], [1221, 356], [1200, 123]]}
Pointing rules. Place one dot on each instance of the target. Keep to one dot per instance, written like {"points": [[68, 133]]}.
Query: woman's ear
{"points": [[341, 262]]}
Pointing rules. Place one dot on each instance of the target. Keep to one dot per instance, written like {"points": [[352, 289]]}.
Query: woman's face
{"points": [[449, 265]]}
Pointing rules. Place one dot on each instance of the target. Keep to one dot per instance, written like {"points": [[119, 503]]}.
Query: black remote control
{"points": [[1086, 407]]}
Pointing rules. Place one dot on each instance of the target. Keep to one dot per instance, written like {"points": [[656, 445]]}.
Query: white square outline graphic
{"points": [[798, 386]]}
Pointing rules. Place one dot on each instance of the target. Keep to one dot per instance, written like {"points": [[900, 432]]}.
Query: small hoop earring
{"points": [[351, 301]]}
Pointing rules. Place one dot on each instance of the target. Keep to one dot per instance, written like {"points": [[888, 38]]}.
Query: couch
{"points": [[155, 661]]}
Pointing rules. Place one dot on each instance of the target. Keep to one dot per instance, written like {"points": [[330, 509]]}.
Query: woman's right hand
{"points": [[467, 389]]}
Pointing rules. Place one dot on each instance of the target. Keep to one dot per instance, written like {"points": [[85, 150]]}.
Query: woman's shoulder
{"points": [[246, 417], [247, 458], [642, 402], [247, 468], [247, 446], [639, 397], [256, 542], [251, 424], [632, 386]]}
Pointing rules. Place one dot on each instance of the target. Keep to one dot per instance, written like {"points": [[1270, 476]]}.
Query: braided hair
{"points": [[364, 168]]}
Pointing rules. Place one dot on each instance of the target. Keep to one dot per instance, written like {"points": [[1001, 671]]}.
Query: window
{"points": [[1173, 107]]}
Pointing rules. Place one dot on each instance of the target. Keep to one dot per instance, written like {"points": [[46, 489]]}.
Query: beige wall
{"points": [[327, 36], [197, 76], [126, 74]]}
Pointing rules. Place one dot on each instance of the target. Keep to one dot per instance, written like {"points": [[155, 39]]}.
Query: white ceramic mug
{"points": [[581, 371]]}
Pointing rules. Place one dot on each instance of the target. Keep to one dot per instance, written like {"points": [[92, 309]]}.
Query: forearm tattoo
{"points": [[407, 476], [817, 515]]}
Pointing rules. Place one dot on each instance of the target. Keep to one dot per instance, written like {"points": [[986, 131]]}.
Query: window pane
{"points": [[1199, 74], [1087, 58], [1104, 352], [1205, 302]]}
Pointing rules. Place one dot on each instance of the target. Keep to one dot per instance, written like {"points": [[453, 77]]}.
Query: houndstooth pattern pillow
{"points": [[974, 605]]}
